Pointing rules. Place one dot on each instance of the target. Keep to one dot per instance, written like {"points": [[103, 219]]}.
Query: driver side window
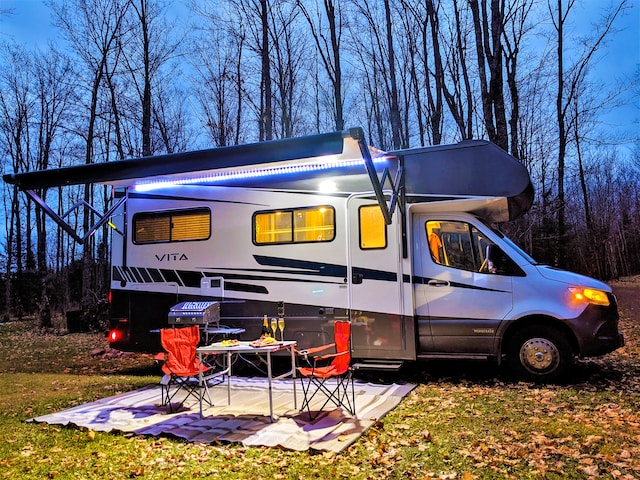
{"points": [[458, 245]]}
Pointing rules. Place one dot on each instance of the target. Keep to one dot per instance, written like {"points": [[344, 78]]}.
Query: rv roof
{"points": [[316, 151]]}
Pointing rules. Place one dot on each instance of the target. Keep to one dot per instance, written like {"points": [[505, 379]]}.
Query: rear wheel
{"points": [[539, 353]]}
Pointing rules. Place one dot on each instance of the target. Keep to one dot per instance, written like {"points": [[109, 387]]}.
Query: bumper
{"points": [[604, 345], [596, 330]]}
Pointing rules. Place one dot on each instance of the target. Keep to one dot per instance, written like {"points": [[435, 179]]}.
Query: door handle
{"points": [[356, 278], [438, 283]]}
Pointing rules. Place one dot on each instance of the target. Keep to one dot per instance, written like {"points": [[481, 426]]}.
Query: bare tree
{"points": [[253, 16], [148, 46], [379, 68], [432, 81], [459, 95], [266, 124], [489, 27], [393, 85], [516, 26], [329, 51], [14, 114], [568, 83], [54, 94], [220, 82], [289, 53], [93, 29]]}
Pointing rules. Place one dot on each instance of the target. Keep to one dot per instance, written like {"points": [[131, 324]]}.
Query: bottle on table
{"points": [[266, 331]]}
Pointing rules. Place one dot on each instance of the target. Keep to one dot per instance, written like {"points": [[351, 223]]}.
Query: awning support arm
{"points": [[376, 183], [62, 223]]}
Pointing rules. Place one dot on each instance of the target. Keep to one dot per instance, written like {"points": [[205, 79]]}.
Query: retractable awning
{"points": [[314, 152]]}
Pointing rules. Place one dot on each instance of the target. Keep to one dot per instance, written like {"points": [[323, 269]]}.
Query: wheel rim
{"points": [[539, 355]]}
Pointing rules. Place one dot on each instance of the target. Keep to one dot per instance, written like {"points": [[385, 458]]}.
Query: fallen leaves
{"points": [[462, 423]]}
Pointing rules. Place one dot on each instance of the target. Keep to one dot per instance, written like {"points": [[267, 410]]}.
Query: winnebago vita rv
{"points": [[321, 228]]}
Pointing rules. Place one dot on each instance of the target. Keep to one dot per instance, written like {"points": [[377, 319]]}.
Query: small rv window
{"points": [[172, 226], [373, 230], [296, 225]]}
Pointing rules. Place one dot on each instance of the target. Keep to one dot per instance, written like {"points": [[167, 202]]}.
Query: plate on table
{"points": [[227, 343], [265, 342]]}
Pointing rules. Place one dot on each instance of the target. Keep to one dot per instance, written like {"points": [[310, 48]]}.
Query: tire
{"points": [[539, 353]]}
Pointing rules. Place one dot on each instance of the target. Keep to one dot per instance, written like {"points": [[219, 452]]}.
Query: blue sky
{"points": [[30, 25]]}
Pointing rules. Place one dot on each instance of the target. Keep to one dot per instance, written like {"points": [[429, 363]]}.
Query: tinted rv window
{"points": [[456, 244], [296, 225], [172, 226], [373, 230]]}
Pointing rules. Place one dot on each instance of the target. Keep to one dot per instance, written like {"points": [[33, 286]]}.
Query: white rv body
{"points": [[313, 280], [411, 261]]}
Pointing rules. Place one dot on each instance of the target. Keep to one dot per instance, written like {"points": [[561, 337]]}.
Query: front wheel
{"points": [[539, 353]]}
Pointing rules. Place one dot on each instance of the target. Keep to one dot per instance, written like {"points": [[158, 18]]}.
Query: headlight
{"points": [[591, 295]]}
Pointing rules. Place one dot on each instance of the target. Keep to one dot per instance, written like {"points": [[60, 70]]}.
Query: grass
{"points": [[463, 421]]}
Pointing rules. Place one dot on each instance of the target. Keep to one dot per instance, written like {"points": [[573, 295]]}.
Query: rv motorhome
{"points": [[321, 228]]}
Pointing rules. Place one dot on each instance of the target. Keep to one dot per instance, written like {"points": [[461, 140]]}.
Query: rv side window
{"points": [[172, 226], [373, 229], [296, 225], [458, 245]]}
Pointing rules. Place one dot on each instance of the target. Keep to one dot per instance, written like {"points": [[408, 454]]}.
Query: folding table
{"points": [[245, 347]]}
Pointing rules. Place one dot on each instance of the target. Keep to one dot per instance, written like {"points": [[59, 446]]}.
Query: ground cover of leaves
{"points": [[463, 421]]}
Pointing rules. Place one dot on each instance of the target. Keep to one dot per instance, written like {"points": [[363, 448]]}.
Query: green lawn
{"points": [[463, 421]]}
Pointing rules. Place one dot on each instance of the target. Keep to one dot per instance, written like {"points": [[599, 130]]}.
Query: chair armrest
{"points": [[310, 351], [328, 356]]}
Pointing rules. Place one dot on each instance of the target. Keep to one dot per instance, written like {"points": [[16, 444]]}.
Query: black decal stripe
{"points": [[128, 271], [156, 275], [133, 272], [369, 274], [115, 274], [266, 278], [171, 276], [313, 268], [144, 272], [190, 278], [243, 287], [325, 269], [129, 277]]}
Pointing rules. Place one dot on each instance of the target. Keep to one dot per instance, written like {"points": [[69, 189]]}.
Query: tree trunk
{"points": [[436, 107], [489, 53], [267, 113], [146, 93], [562, 139], [337, 77], [394, 108]]}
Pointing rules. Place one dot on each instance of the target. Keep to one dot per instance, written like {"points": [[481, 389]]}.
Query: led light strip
{"points": [[216, 177]]}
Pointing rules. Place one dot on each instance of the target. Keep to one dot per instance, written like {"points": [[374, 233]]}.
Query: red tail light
{"points": [[115, 335]]}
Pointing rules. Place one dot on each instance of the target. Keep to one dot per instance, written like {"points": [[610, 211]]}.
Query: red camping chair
{"points": [[181, 366], [323, 370]]}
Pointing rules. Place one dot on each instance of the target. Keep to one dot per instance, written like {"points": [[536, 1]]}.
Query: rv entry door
{"points": [[375, 283]]}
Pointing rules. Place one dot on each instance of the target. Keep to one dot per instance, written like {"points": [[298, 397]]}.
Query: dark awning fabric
{"points": [[183, 163], [314, 151]]}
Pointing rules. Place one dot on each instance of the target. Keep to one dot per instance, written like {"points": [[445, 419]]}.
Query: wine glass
{"points": [[281, 327], [274, 326]]}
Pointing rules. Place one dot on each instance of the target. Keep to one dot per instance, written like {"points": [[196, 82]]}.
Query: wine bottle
{"points": [[265, 327]]}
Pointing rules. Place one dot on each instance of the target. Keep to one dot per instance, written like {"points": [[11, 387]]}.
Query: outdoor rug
{"points": [[245, 420]]}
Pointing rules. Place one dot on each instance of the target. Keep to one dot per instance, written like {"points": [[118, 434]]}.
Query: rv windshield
{"points": [[522, 253], [510, 242]]}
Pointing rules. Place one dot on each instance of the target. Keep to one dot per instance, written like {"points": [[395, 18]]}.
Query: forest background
{"points": [[135, 78]]}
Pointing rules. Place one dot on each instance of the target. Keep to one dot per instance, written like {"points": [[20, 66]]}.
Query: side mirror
{"points": [[500, 263], [494, 259]]}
